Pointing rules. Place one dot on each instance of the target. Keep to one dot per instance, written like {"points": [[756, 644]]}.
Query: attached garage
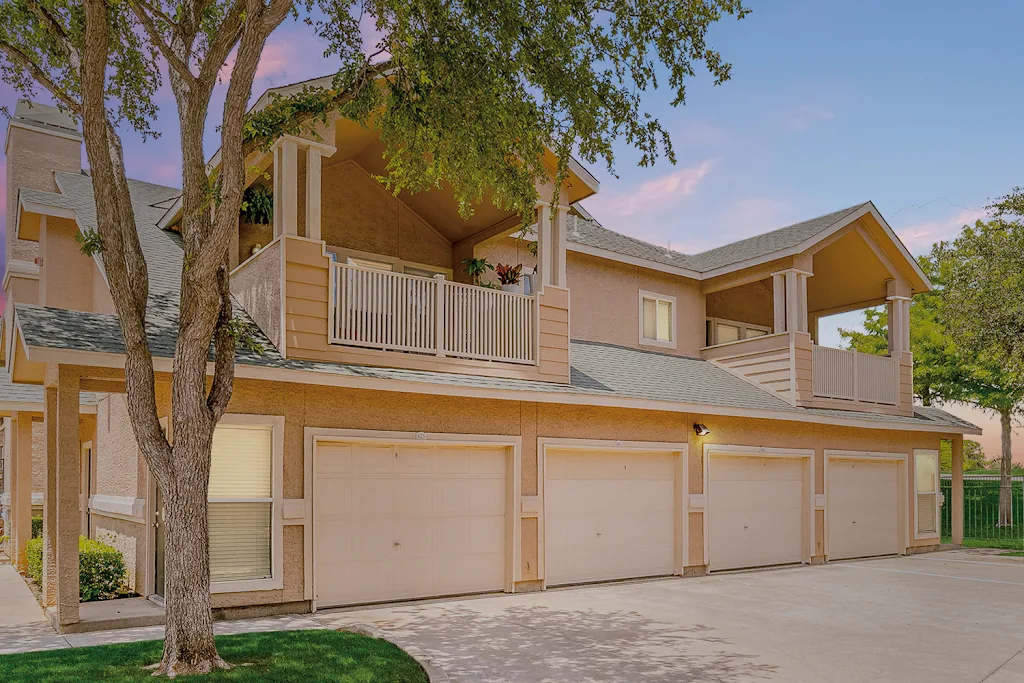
{"points": [[611, 513], [758, 508], [395, 521], [863, 505]]}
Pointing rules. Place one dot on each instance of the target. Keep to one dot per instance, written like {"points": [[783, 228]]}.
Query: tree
{"points": [[471, 94], [974, 456], [983, 312]]}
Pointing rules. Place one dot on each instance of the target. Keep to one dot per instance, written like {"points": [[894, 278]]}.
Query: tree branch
{"points": [[224, 349], [55, 28], [142, 10], [40, 76]]}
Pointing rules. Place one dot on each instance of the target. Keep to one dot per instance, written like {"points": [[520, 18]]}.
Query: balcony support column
{"points": [[790, 294], [551, 244], [898, 310], [286, 187], [313, 192]]}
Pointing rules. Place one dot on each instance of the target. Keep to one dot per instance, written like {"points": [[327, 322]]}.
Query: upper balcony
{"points": [[349, 273], [762, 322]]}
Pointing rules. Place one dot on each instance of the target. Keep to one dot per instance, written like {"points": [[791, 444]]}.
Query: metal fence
{"points": [[981, 511]]}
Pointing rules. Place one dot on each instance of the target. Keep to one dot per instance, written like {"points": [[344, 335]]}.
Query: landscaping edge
{"points": [[435, 674]]}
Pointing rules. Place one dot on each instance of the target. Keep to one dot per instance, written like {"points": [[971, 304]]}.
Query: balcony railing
{"points": [[853, 376], [397, 312]]}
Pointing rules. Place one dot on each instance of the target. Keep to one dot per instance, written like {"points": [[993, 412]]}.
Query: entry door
{"points": [[394, 521], [609, 515], [756, 509], [863, 508]]}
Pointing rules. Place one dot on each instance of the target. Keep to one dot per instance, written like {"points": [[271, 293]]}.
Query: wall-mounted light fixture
{"points": [[700, 429]]}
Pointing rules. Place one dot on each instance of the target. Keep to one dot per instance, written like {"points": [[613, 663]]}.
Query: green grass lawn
{"points": [[998, 543], [329, 656], [1016, 553]]}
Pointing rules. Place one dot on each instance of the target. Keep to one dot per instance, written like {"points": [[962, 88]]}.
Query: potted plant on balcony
{"points": [[510, 277]]}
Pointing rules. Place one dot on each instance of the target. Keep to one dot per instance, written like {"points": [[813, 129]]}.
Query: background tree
{"points": [[974, 456], [473, 94]]}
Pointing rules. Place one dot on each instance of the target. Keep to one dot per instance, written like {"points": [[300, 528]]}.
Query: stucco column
{"points": [[898, 310], [50, 498], [313, 192], [957, 491], [69, 481], [286, 187], [551, 244], [779, 300], [21, 488]]}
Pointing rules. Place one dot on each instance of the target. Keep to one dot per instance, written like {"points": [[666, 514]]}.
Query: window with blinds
{"points": [[241, 503], [926, 482], [657, 318]]}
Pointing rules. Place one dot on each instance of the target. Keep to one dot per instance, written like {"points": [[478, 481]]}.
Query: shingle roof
{"points": [[598, 369], [591, 233]]}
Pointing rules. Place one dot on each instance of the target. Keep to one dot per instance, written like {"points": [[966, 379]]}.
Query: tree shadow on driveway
{"points": [[535, 644]]}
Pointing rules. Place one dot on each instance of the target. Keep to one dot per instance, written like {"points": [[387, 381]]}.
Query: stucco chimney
{"points": [[41, 139]]}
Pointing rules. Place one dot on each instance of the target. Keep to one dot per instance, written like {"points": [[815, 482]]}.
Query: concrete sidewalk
{"points": [[24, 628]]}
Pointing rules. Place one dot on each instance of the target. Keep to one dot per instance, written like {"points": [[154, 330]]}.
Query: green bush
{"points": [[37, 527], [102, 574]]}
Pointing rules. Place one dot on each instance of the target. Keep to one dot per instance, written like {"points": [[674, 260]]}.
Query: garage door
{"points": [[863, 508], [397, 521], [609, 515], [756, 511]]}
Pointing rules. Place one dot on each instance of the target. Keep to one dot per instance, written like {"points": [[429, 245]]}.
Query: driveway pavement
{"points": [[955, 616]]}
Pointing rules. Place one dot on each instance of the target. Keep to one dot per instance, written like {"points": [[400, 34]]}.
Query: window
{"points": [[370, 263], [721, 331], [926, 488], [657, 319], [245, 538]]}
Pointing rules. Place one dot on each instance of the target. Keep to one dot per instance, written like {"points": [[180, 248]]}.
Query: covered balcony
{"points": [[762, 322], [348, 272]]}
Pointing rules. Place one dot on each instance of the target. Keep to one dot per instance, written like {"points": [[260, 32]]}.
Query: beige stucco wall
{"points": [[314, 406], [128, 537], [750, 303], [66, 275], [32, 157], [257, 287], [118, 462], [38, 456]]}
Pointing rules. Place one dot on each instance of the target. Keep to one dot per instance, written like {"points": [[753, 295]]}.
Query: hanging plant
{"points": [[258, 205]]}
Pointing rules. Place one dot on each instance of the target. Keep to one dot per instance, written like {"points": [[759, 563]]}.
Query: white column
{"points": [[801, 292], [313, 184], [559, 235], [792, 301], [779, 296], [544, 243], [898, 308], [286, 187]]}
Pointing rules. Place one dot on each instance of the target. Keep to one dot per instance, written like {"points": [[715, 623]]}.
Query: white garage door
{"points": [[863, 508], [397, 521], [610, 515], [756, 511]]}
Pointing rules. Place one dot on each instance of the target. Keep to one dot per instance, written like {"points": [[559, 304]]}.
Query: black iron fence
{"points": [[981, 512]]}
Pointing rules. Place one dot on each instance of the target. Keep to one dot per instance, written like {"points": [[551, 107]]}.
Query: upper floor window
{"points": [[721, 331], [657, 319]]}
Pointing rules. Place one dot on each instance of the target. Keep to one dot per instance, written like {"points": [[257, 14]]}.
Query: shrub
{"points": [[34, 551], [37, 527], [101, 570]]}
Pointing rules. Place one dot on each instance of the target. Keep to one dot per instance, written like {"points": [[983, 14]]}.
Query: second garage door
{"points": [[398, 521], [756, 511], [609, 514], [863, 508]]}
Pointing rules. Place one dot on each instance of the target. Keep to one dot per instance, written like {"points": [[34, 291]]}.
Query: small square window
{"points": [[657, 319]]}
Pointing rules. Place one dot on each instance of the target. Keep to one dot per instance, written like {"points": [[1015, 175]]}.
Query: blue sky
{"points": [[913, 105]]}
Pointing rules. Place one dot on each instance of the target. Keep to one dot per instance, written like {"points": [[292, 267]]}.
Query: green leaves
{"points": [[258, 205], [90, 241]]}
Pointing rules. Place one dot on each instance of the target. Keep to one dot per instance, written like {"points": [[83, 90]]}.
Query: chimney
{"points": [[41, 139]]}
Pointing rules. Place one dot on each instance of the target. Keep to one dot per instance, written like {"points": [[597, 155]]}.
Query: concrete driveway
{"points": [[955, 616]]}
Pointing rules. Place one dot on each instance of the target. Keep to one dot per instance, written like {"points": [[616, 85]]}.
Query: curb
{"points": [[435, 674]]}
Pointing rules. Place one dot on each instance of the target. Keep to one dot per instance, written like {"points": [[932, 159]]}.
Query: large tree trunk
{"points": [[1006, 470]]}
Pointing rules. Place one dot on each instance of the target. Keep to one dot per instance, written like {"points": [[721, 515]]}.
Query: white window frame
{"points": [[671, 300], [735, 323], [938, 495], [276, 580], [342, 255]]}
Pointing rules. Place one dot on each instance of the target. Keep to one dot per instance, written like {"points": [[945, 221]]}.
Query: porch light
{"points": [[701, 429]]}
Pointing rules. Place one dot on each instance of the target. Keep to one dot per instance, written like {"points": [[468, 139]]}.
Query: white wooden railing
{"points": [[853, 376], [396, 312]]}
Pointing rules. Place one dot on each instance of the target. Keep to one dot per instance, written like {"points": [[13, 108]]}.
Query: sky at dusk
{"points": [[912, 105]]}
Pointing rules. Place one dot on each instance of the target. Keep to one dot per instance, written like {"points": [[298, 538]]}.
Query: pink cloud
{"points": [[653, 195], [919, 237]]}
